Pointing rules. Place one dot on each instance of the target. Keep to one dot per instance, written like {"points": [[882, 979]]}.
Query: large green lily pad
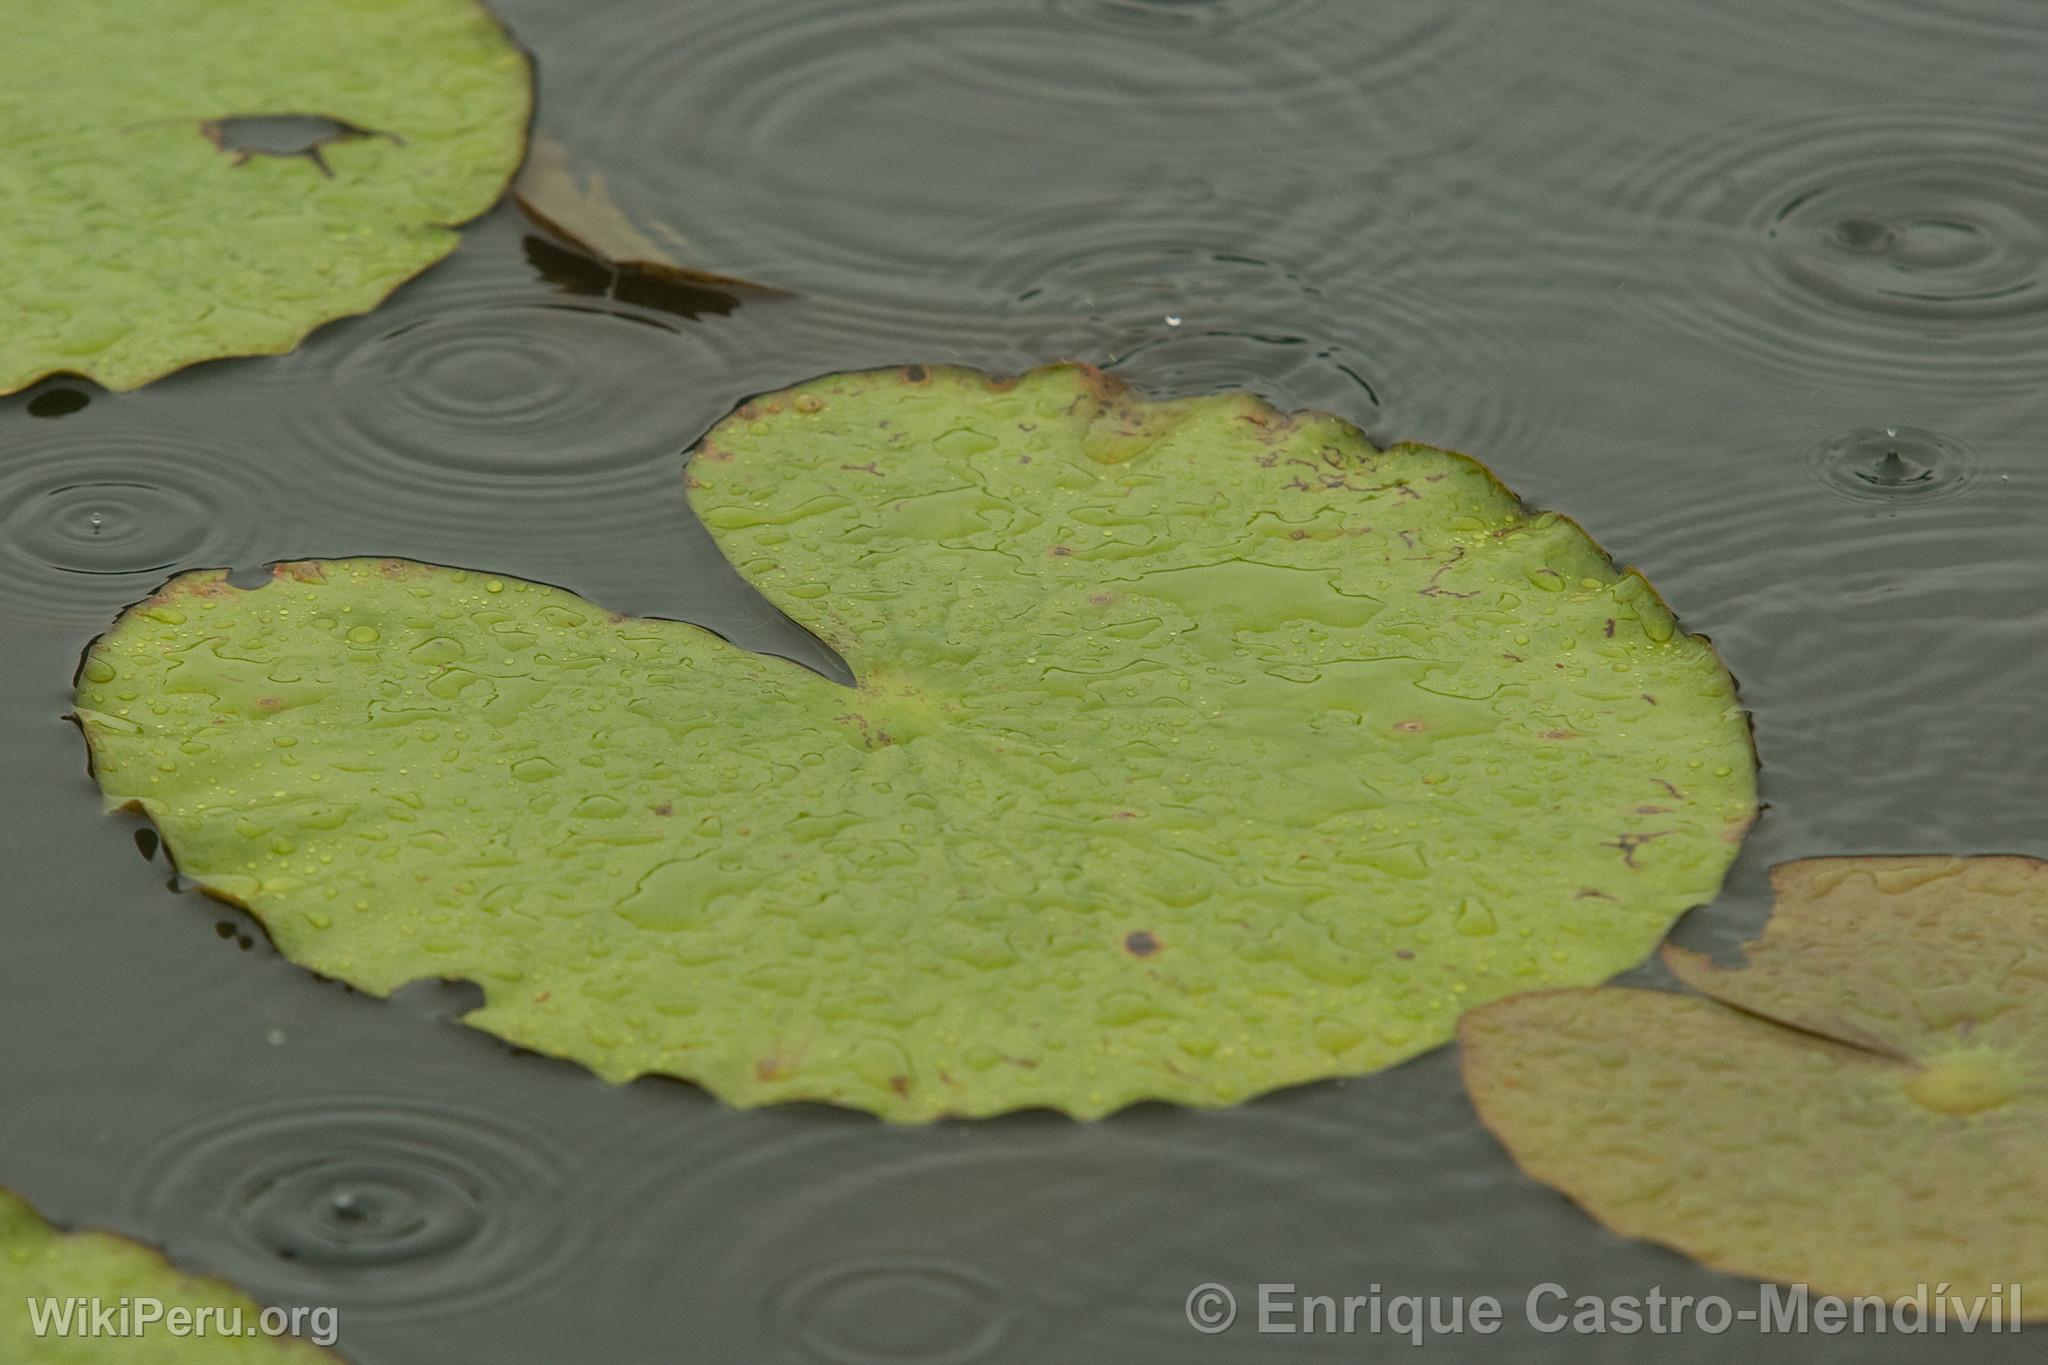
{"points": [[100, 1298], [1863, 1107], [1197, 750], [190, 179]]}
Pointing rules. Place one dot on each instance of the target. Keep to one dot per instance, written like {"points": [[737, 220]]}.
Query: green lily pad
{"points": [[1197, 750], [192, 179], [1863, 1107], [98, 1297]]}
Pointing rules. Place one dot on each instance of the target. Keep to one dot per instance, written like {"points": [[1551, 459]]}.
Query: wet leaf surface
{"points": [[283, 165], [1197, 750], [37, 1263], [1863, 1106]]}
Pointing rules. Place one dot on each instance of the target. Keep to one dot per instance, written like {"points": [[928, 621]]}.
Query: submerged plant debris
{"points": [[1197, 750], [1863, 1107], [77, 1272], [629, 264], [282, 165]]}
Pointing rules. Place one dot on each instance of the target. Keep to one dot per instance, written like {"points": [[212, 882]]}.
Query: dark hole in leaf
{"points": [[247, 135], [57, 403], [1140, 943], [146, 842]]}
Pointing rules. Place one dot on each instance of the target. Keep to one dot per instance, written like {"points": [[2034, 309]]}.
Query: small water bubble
{"points": [[96, 521], [1173, 319]]}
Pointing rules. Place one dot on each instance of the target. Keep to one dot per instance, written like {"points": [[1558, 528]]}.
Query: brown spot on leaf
{"points": [[901, 1085], [868, 468], [1100, 385], [1405, 954], [1411, 727], [663, 808], [1647, 697], [1060, 551], [1588, 893], [1140, 943], [1560, 734], [916, 374], [269, 703], [1608, 630]]}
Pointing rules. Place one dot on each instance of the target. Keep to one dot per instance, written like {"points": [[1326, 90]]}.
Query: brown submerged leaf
{"points": [[584, 216], [1862, 1106]]}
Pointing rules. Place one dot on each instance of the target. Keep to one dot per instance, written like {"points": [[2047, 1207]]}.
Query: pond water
{"points": [[1756, 292]]}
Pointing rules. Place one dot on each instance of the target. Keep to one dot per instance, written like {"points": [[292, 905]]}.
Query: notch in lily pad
{"points": [[1197, 749]]}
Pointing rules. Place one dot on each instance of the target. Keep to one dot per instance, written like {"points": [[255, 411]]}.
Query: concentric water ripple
{"points": [[496, 390], [1879, 598], [91, 522], [1893, 463], [1210, 15], [1909, 243], [1027, 1239], [969, 112], [1942, 21], [894, 1310], [1167, 300], [373, 1205]]}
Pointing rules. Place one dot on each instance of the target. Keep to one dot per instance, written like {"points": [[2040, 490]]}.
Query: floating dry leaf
{"points": [[1863, 1107], [191, 179], [70, 1275], [1197, 750]]}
